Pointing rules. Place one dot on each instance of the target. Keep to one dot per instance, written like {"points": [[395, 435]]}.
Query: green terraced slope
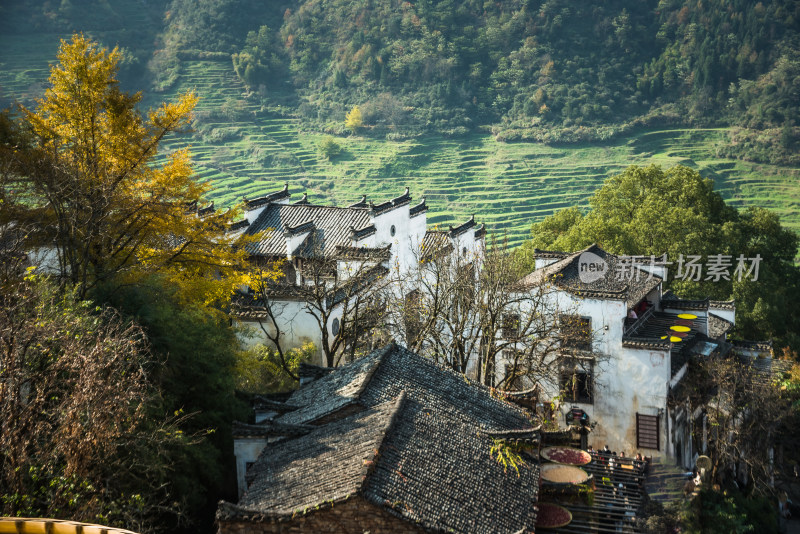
{"points": [[245, 150]]}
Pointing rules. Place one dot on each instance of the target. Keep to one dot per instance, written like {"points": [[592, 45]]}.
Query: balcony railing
{"points": [[630, 330]]}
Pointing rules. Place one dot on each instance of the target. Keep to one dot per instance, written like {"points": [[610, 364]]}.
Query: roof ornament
{"points": [[303, 200], [360, 204]]}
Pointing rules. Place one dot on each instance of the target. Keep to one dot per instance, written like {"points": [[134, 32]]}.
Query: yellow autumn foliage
{"points": [[354, 119], [93, 180]]}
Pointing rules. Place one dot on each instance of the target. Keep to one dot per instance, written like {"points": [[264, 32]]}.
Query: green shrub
{"points": [[329, 148]]}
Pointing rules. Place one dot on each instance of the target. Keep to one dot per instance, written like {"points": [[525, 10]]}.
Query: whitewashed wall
{"points": [[297, 325], [626, 381], [246, 450]]}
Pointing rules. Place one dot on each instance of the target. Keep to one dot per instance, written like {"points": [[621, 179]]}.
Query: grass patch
{"points": [[244, 149]]}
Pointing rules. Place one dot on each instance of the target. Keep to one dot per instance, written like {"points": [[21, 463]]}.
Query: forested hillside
{"points": [[434, 80], [553, 70]]}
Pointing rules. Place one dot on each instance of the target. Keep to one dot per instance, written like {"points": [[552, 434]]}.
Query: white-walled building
{"points": [[628, 348], [364, 239]]}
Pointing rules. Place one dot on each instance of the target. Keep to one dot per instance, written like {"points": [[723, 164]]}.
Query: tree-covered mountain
{"points": [[551, 70]]}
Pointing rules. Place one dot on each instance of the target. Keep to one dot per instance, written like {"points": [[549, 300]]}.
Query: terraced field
{"points": [[245, 150]]}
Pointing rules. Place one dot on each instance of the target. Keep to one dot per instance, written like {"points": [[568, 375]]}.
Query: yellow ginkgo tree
{"points": [[85, 172], [354, 119]]}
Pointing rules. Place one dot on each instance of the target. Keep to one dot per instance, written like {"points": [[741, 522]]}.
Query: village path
{"points": [[665, 481]]}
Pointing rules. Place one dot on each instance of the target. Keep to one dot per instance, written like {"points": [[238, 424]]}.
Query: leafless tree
{"points": [[747, 410], [469, 311], [340, 291], [75, 437]]}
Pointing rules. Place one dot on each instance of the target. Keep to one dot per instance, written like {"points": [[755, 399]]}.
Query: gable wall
{"points": [[626, 381]]}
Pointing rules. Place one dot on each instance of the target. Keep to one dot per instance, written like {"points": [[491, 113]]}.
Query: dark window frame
{"points": [[511, 325], [576, 332], [648, 431], [581, 371]]}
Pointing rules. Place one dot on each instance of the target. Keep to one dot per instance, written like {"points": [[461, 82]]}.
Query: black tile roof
{"points": [[251, 204], [396, 202], [358, 234], [436, 243], [655, 325], [463, 227], [309, 372], [717, 326], [324, 466], [434, 470], [722, 304], [269, 428], [332, 227], [192, 207], [302, 201], [364, 253], [239, 225], [752, 346], [550, 254], [333, 391], [361, 203], [426, 466], [669, 300], [263, 403], [386, 373], [564, 273], [419, 208]]}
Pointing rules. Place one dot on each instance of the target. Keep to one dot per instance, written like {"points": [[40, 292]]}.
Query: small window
{"points": [[335, 327], [393, 230], [511, 326], [647, 431], [576, 332], [576, 380]]}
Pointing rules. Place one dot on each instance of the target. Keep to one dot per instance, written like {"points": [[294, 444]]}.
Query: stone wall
{"points": [[354, 516]]}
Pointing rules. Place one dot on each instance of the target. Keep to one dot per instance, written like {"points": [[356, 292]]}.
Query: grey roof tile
{"points": [[332, 392], [438, 387], [436, 471], [425, 465], [327, 464], [269, 428], [331, 226], [386, 373], [436, 243], [463, 227], [275, 196], [565, 274], [717, 326]]}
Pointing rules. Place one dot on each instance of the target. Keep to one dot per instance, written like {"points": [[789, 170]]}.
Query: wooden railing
{"points": [[633, 327], [31, 525]]}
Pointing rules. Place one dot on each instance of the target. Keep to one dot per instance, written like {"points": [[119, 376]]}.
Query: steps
{"points": [[665, 481]]}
